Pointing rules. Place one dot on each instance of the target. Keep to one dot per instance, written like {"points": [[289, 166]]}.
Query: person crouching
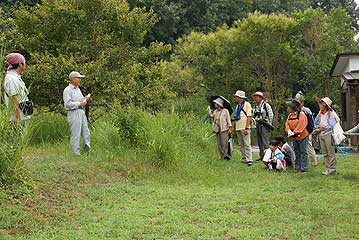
{"points": [[273, 157], [221, 125]]}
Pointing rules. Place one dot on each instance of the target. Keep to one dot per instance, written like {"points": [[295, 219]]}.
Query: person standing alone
{"points": [[74, 103]]}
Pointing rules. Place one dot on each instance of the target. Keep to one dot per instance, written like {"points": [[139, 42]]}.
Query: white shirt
{"points": [[14, 86], [72, 97]]}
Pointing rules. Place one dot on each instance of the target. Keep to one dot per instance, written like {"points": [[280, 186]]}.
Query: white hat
{"points": [[240, 94], [260, 94], [327, 101], [219, 102], [75, 75]]}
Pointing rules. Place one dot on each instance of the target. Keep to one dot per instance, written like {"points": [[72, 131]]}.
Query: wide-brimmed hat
{"points": [[260, 94], [219, 102], [240, 94], [294, 104], [327, 101], [299, 96], [75, 75]]}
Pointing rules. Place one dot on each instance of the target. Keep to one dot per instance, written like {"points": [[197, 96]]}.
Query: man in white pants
{"points": [[74, 103]]}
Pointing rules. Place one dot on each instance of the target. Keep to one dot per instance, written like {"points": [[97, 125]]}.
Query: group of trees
{"points": [[146, 52], [273, 53]]}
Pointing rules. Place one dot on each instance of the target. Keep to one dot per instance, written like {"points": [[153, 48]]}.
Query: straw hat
{"points": [[260, 94], [219, 102], [240, 94], [327, 101]]}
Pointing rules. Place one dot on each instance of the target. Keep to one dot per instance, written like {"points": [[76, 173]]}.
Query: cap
{"points": [[75, 75]]}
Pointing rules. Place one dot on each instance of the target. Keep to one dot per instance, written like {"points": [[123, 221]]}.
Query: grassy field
{"points": [[85, 198]]}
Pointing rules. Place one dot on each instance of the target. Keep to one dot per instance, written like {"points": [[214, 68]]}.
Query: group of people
{"points": [[277, 154], [20, 106]]}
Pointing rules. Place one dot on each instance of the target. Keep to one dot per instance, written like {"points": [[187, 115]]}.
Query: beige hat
{"points": [[219, 101], [260, 94], [240, 94], [327, 102]]}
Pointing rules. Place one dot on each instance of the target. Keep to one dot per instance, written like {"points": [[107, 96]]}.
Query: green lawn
{"points": [[86, 199]]}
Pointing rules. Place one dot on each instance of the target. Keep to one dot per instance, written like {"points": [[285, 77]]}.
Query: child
{"points": [[273, 158], [289, 155]]}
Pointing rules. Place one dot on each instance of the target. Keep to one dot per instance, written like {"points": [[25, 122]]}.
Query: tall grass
{"points": [[47, 127], [13, 168], [166, 140]]}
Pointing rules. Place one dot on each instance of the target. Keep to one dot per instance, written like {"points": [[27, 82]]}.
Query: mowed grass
{"points": [[85, 198]]}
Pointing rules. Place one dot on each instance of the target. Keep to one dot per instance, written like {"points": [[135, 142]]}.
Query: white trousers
{"points": [[78, 127]]}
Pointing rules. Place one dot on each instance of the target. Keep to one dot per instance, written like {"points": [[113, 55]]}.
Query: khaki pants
{"points": [[244, 143], [328, 150], [311, 152], [222, 141]]}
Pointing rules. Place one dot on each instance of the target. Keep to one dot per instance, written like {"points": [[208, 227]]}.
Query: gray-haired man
{"points": [[74, 103]]}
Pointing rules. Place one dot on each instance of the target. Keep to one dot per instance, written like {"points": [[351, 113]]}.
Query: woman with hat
{"points": [[323, 125], [221, 125], [296, 129]]}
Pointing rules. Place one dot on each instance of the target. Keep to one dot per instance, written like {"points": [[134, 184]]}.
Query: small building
{"points": [[346, 66]]}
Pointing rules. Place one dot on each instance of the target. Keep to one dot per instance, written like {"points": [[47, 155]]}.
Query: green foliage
{"points": [[103, 40], [276, 54], [13, 167], [48, 127]]}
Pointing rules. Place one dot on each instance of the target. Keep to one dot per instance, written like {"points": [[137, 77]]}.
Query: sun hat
{"points": [[219, 102], [300, 96], [260, 94], [240, 94], [327, 101], [294, 104], [75, 75]]}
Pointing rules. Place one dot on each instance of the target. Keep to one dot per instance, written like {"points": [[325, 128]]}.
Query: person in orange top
{"points": [[296, 129]]}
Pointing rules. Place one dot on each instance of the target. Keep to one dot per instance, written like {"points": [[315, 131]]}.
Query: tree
{"points": [[101, 38], [319, 44]]}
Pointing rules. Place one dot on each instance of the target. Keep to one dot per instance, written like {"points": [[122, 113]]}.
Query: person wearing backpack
{"points": [[310, 127], [242, 122], [296, 129], [263, 116]]}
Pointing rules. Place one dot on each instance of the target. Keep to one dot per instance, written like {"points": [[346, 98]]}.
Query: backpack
{"points": [[310, 124], [310, 121]]}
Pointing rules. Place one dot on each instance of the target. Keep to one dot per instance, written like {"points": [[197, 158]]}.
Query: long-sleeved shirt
{"points": [[72, 97], [223, 119], [263, 111], [297, 124], [327, 121]]}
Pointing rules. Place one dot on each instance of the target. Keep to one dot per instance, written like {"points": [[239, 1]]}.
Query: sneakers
{"points": [[329, 172]]}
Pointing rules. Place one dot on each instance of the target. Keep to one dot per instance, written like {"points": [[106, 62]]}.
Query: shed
{"points": [[346, 67]]}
